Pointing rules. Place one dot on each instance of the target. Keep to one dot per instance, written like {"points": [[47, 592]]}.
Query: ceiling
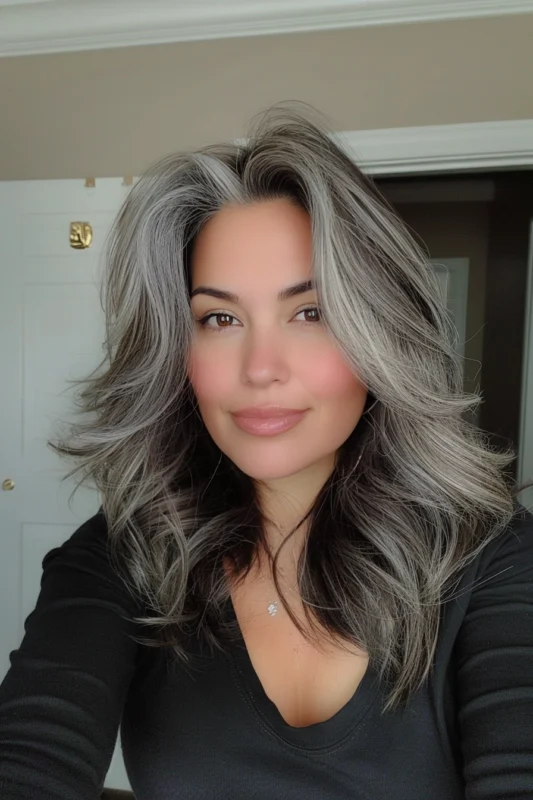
{"points": [[48, 26]]}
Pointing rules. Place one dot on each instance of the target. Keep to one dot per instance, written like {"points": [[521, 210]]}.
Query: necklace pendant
{"points": [[272, 609]]}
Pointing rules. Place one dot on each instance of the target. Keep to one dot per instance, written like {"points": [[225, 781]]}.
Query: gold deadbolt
{"points": [[8, 484], [81, 235]]}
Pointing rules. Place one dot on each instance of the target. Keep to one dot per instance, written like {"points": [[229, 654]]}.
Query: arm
{"points": [[495, 670], [61, 700]]}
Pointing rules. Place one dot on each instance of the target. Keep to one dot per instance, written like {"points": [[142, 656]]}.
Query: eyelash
{"points": [[203, 321]]}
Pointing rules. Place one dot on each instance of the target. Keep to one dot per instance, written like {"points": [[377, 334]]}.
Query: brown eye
{"points": [[220, 315], [311, 310]]}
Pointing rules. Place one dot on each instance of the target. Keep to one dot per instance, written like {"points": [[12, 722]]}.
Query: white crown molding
{"points": [[442, 148], [51, 26]]}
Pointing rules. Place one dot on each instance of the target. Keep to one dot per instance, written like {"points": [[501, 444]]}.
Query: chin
{"points": [[269, 475], [267, 472], [271, 466]]}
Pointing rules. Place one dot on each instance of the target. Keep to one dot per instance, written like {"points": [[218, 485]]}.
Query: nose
{"points": [[265, 358]]}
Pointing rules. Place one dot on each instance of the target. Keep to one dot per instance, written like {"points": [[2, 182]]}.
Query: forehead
{"points": [[262, 244]]}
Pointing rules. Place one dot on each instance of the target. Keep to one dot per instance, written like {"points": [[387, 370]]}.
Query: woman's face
{"points": [[258, 349]]}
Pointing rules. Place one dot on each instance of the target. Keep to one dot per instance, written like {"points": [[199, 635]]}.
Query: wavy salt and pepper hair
{"points": [[417, 490]]}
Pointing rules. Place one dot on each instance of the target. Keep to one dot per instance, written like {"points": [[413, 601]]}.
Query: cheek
{"points": [[209, 378], [330, 378]]}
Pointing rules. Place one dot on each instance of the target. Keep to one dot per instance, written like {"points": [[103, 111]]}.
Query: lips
{"points": [[267, 412], [268, 425]]}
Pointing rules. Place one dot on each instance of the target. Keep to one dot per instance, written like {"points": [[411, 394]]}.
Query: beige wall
{"points": [[111, 112]]}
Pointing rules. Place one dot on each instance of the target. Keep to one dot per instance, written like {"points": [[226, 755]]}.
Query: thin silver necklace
{"points": [[272, 608], [274, 605]]}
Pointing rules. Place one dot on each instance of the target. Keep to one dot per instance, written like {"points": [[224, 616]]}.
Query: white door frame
{"points": [[525, 451], [461, 147], [481, 146]]}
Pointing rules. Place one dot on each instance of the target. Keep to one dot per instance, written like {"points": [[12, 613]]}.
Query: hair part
{"points": [[417, 490]]}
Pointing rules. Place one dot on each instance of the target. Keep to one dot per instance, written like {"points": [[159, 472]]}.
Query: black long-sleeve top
{"points": [[214, 734]]}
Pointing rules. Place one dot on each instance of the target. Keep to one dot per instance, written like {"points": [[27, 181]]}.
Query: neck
{"points": [[287, 562]]}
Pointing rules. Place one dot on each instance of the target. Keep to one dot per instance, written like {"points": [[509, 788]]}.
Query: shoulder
{"points": [[501, 573], [510, 555], [88, 544], [90, 535], [496, 592], [62, 698], [84, 561], [494, 664]]}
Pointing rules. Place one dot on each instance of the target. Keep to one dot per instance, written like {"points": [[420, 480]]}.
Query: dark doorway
{"points": [[484, 218]]}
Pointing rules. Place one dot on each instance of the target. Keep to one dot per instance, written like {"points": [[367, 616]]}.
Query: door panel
{"points": [[52, 331]]}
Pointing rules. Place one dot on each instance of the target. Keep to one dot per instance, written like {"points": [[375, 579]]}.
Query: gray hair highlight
{"points": [[417, 491]]}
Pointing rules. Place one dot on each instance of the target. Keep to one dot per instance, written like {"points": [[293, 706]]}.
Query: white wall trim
{"points": [[442, 148], [49, 27]]}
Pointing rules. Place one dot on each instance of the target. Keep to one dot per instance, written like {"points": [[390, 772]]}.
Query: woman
{"points": [[309, 576]]}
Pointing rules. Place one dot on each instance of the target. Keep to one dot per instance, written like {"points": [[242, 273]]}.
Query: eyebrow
{"points": [[229, 297]]}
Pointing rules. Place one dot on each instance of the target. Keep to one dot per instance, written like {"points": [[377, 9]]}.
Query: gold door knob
{"points": [[8, 484], [81, 235]]}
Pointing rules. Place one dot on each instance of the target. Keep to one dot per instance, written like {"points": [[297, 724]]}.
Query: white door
{"points": [[51, 330]]}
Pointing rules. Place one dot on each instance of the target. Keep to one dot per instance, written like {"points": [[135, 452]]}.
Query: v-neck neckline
{"points": [[318, 736]]}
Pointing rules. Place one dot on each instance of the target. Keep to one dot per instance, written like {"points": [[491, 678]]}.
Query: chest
{"points": [[308, 684]]}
